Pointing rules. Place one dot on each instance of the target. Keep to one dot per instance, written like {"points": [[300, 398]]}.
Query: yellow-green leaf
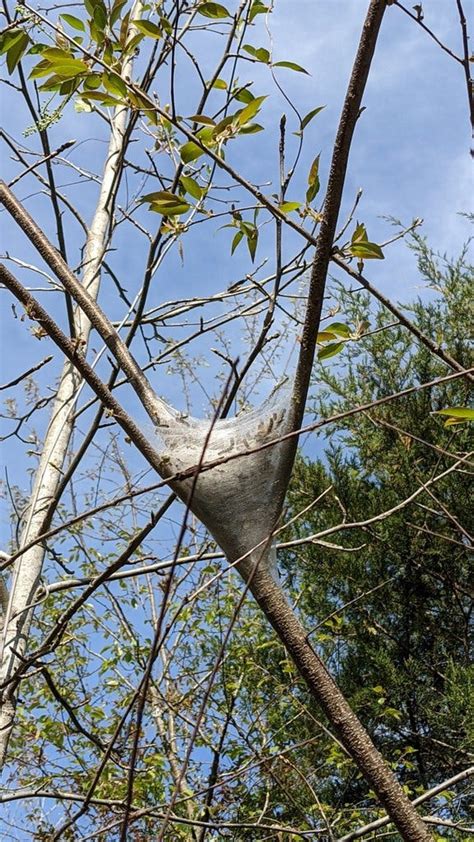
{"points": [[16, 51], [170, 209], [192, 187], [366, 250], [291, 66], [220, 84], [459, 414], [213, 10], [202, 119], [330, 350], [76, 23], [340, 329], [325, 336], [313, 180], [287, 207], [360, 234], [114, 84], [190, 152], [237, 239], [259, 53], [250, 110], [310, 116], [148, 28]]}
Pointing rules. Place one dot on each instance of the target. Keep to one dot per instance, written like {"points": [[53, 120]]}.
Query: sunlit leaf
{"points": [[257, 8], [76, 23], [219, 128], [213, 10], [291, 66], [340, 329], [93, 81], [313, 180], [16, 51], [43, 68], [114, 84], [9, 38], [251, 128], [148, 28], [82, 105], [330, 350], [360, 233], [457, 415], [191, 186], [309, 116], [366, 250], [287, 207], [258, 53], [170, 208], [250, 110], [97, 96], [237, 239], [190, 152], [116, 11], [325, 336], [243, 95], [202, 118]]}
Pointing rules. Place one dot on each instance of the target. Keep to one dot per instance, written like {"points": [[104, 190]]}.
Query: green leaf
{"points": [[69, 86], [325, 336], [114, 84], [133, 44], [70, 69], [258, 53], [98, 96], [243, 95], [9, 38], [360, 234], [201, 118], [190, 152], [100, 17], [252, 245], [237, 239], [54, 83], [220, 84], [366, 250], [43, 68], [250, 110], [160, 196], [291, 65], [76, 23], [213, 10], [116, 11], [330, 350], [309, 116], [257, 8], [166, 203], [287, 207], [16, 51], [462, 413], [192, 187], [340, 329], [217, 130], [251, 128], [313, 180], [170, 208], [93, 81], [148, 28]]}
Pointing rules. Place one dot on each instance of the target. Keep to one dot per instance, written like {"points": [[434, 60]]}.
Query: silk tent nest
{"points": [[238, 501]]}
